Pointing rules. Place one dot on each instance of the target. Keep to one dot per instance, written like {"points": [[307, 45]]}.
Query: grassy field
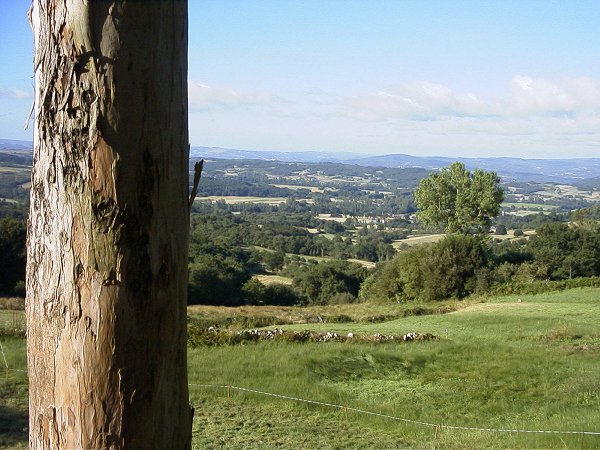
{"points": [[233, 199], [505, 364], [255, 316], [296, 187], [510, 235], [414, 240], [272, 279], [12, 319], [13, 394], [367, 264], [529, 362], [430, 238]]}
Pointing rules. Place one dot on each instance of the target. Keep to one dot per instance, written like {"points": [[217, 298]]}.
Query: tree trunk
{"points": [[108, 226]]}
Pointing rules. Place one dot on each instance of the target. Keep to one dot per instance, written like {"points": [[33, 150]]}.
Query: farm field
{"points": [[367, 264], [272, 279], [565, 189], [529, 362], [429, 238], [234, 199], [420, 239], [295, 187]]}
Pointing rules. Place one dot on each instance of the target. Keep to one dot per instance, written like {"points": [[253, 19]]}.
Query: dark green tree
{"points": [[567, 251], [12, 253], [448, 268], [501, 230], [256, 293], [273, 260], [320, 283], [216, 279]]}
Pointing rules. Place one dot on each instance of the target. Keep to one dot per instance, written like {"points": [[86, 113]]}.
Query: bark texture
{"points": [[108, 226]]}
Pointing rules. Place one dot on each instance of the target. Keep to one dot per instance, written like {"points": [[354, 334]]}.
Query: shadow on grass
{"points": [[13, 427]]}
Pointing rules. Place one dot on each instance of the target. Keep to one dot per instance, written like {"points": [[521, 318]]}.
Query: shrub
{"points": [[342, 298], [12, 303], [281, 295], [12, 253], [320, 283], [543, 286], [500, 230], [452, 267]]}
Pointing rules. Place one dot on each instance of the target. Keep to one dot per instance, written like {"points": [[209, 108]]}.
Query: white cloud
{"points": [[538, 96], [533, 118], [14, 93], [526, 97], [416, 101], [203, 98]]}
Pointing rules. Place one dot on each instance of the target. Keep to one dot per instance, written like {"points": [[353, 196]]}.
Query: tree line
{"points": [[460, 265], [227, 249]]}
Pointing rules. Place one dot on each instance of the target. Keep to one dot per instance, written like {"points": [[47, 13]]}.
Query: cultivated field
{"points": [[420, 239], [234, 199], [510, 363], [295, 187], [272, 279]]}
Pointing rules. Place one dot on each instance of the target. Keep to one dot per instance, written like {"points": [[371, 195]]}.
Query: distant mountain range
{"points": [[538, 170], [15, 146], [308, 156]]}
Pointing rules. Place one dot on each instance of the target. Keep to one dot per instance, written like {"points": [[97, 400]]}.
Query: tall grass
{"points": [[530, 364], [463, 384], [13, 394]]}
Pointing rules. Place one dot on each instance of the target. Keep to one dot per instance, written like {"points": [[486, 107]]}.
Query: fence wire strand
{"points": [[436, 426]]}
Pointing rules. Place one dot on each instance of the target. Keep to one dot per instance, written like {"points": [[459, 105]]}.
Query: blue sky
{"points": [[423, 77]]}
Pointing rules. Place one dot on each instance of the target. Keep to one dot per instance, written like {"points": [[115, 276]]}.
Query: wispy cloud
{"points": [[526, 97], [415, 101], [532, 116], [535, 96], [203, 98], [14, 93]]}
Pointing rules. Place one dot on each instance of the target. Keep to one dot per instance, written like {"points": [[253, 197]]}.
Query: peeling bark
{"points": [[108, 226]]}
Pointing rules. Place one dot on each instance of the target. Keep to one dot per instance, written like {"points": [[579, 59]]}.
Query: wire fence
{"points": [[436, 426]]}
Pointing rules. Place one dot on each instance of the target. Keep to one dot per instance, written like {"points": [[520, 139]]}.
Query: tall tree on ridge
{"points": [[458, 200]]}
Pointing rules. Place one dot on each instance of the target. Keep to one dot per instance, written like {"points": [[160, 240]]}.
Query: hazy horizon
{"points": [[434, 78], [361, 154]]}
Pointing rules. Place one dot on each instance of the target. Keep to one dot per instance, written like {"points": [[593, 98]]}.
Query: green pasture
{"points": [[532, 364], [13, 319], [13, 393], [506, 364], [500, 319], [418, 239]]}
